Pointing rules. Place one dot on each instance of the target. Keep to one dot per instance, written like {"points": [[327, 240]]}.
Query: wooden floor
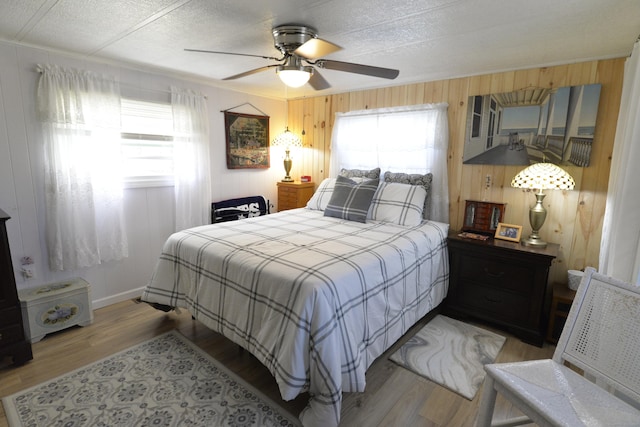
{"points": [[393, 396]]}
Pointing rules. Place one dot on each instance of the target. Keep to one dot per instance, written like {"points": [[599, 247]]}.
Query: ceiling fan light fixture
{"points": [[294, 76]]}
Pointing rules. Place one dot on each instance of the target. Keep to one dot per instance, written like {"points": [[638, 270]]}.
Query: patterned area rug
{"points": [[450, 353], [166, 381]]}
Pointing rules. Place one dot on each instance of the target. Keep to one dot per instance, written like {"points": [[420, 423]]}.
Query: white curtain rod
{"points": [[129, 85]]}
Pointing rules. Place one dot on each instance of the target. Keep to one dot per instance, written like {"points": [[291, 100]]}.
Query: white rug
{"points": [[166, 381], [450, 353]]}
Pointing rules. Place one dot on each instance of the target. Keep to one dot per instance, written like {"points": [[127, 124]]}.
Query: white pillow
{"points": [[398, 203], [323, 194]]}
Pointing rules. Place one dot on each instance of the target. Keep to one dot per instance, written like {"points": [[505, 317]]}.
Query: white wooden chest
{"points": [[54, 307]]}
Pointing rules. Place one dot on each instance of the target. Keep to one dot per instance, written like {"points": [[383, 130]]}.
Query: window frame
{"points": [[143, 132]]}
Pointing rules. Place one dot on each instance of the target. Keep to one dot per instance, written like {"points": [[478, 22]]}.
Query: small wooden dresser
{"points": [[292, 195]]}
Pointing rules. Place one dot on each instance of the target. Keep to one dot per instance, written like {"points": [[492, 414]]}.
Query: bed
{"points": [[316, 298]]}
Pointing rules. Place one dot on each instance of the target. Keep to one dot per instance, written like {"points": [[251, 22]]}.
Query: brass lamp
{"points": [[287, 139], [541, 176]]}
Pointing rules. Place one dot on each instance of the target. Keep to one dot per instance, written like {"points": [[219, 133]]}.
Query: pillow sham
{"points": [[414, 179], [350, 200], [398, 203], [360, 173], [322, 195]]}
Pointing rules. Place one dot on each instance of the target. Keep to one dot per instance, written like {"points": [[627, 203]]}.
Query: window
{"points": [[477, 116], [493, 106], [414, 138], [147, 143]]}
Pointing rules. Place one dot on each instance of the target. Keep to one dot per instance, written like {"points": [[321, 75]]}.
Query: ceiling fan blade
{"points": [[385, 73], [233, 53], [316, 48], [250, 72], [318, 82]]}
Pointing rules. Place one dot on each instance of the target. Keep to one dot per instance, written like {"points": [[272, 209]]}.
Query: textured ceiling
{"points": [[425, 39]]}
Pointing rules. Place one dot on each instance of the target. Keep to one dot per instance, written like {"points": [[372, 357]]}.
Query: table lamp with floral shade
{"points": [[541, 176], [287, 139]]}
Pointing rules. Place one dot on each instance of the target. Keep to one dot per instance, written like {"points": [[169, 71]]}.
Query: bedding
{"points": [[322, 195], [316, 299], [351, 200], [413, 179], [360, 173], [398, 203]]}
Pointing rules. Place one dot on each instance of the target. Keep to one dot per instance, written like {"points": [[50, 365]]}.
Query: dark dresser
{"points": [[503, 283], [12, 338]]}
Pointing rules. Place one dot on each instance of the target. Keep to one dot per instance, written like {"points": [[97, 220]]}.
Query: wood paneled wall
{"points": [[574, 218]]}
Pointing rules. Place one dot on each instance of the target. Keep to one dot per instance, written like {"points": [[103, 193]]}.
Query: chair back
{"points": [[602, 335]]}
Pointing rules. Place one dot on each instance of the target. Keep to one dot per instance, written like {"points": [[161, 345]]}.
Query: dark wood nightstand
{"points": [[292, 195], [501, 282], [13, 342], [560, 306]]}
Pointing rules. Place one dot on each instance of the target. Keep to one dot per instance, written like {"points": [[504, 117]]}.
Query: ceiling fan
{"points": [[300, 45]]}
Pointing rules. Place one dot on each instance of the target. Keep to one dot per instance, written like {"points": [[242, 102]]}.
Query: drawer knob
{"points": [[494, 275]]}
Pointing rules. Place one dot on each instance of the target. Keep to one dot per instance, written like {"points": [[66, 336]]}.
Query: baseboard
{"points": [[113, 299]]}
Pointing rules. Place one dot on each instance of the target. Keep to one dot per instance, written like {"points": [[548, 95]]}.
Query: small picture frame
{"points": [[508, 232]]}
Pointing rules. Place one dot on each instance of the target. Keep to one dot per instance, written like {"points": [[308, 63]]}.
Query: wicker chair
{"points": [[601, 338]]}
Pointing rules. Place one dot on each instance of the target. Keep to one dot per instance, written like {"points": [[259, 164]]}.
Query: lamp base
{"points": [[537, 215], [535, 242], [287, 167]]}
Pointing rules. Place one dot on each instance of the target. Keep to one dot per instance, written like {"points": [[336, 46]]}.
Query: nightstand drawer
{"points": [[11, 329], [493, 303], [10, 315], [288, 197], [293, 195], [503, 274], [286, 191]]}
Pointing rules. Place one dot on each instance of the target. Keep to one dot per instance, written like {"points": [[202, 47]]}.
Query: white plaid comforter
{"points": [[315, 299]]}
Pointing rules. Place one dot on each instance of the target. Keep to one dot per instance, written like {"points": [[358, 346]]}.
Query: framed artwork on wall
{"points": [[247, 140], [533, 125]]}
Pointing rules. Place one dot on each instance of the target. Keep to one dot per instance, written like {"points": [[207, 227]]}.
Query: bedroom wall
{"points": [[574, 218], [148, 211]]}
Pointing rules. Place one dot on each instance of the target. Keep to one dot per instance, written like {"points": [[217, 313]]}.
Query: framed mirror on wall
{"points": [[532, 126]]}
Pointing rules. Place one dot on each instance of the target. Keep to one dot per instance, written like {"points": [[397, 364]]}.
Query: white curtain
{"points": [[412, 139], [191, 159], [620, 245], [80, 112]]}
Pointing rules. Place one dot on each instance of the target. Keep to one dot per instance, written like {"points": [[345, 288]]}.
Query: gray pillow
{"points": [[414, 179], [350, 200], [361, 173]]}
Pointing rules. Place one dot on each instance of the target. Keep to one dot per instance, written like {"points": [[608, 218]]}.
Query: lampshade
{"points": [[294, 76], [543, 176], [286, 139]]}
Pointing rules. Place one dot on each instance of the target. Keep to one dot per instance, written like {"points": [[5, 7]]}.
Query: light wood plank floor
{"points": [[393, 397]]}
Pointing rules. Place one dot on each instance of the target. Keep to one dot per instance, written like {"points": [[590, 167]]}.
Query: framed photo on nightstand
{"points": [[508, 232]]}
